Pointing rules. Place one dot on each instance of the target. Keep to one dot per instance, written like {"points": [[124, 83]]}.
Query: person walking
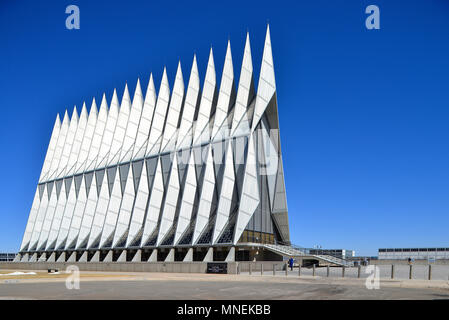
{"points": [[290, 263]]}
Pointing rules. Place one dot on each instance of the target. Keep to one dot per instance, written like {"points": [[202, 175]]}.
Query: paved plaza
{"points": [[101, 285]]}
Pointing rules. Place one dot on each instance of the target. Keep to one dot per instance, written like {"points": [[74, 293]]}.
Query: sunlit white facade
{"points": [[188, 173]]}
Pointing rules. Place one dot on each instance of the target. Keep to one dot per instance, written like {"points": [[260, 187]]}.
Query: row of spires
{"points": [[151, 81], [223, 104], [138, 90]]}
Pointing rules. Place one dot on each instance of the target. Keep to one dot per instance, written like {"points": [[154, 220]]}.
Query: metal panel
{"points": [[120, 129], [188, 111], [31, 219], [188, 199], [227, 189], [46, 226], [97, 138], [66, 217], [250, 192], [133, 125], [143, 131], [51, 149], [39, 219], [140, 206], [108, 134], [87, 139], [56, 222], [270, 159], [174, 109], [246, 87], [100, 213], [280, 202], [88, 215], [112, 212], [157, 125], [66, 151], [77, 142], [59, 147], [226, 95], [126, 208], [267, 85], [279, 210], [206, 197], [154, 206], [202, 129], [77, 216], [171, 201]]}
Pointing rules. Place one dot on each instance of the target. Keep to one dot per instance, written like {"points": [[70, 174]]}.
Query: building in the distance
{"points": [[190, 173], [413, 253], [339, 253], [5, 257]]}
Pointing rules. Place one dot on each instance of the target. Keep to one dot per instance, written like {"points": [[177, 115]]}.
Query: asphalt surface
{"points": [[202, 286]]}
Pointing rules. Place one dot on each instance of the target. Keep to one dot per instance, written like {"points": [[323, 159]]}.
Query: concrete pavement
{"points": [[102, 285]]}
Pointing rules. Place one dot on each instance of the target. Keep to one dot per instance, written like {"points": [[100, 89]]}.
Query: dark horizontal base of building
{"points": [[168, 267], [171, 267], [181, 254]]}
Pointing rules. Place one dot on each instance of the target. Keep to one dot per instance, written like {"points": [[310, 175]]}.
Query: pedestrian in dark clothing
{"points": [[290, 263]]}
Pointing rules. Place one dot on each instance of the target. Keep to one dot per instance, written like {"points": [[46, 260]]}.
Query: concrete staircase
{"points": [[285, 250], [297, 251], [334, 260]]}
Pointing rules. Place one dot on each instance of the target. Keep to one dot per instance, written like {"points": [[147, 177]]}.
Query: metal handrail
{"points": [[299, 251], [295, 250]]}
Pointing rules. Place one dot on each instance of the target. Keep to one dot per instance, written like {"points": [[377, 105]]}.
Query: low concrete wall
{"points": [[256, 266], [174, 267], [401, 262]]}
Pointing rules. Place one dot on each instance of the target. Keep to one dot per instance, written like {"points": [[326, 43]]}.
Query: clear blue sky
{"points": [[364, 114]]}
